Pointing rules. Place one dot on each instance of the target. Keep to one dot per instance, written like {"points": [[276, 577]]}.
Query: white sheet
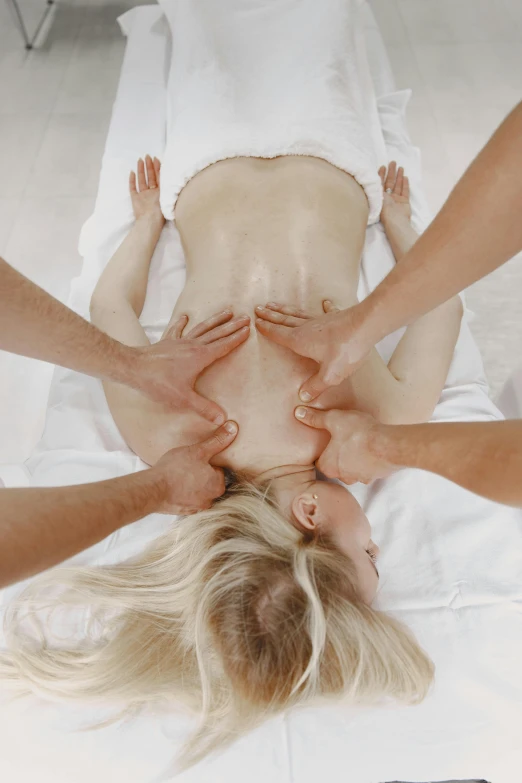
{"points": [[451, 563], [269, 79]]}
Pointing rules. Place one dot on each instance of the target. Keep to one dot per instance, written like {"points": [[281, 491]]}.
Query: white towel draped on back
{"points": [[263, 78]]}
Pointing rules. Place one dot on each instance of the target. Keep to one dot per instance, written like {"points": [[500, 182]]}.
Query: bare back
{"points": [[255, 230]]}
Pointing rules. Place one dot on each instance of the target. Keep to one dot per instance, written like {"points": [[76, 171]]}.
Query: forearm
{"points": [[401, 235], [477, 230], [422, 358], [35, 324], [483, 457], [126, 275], [42, 527]]}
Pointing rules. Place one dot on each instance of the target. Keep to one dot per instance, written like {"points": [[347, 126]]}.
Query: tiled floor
{"points": [[462, 57]]}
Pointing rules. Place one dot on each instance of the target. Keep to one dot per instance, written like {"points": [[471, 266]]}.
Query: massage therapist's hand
{"points": [[336, 341], [167, 371], [352, 453], [189, 483]]}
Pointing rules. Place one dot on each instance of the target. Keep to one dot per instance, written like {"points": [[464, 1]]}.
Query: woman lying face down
{"points": [[263, 601], [235, 613], [324, 509]]}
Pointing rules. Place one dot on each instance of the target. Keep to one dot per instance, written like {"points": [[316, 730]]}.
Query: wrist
{"points": [[152, 489], [394, 220], [380, 444], [158, 484], [394, 444], [371, 324], [151, 220], [128, 365]]}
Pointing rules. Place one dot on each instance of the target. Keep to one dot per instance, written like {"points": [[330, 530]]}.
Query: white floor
{"points": [[462, 57]]}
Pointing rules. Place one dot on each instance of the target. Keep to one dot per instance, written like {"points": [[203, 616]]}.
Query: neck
{"points": [[286, 481], [288, 475]]}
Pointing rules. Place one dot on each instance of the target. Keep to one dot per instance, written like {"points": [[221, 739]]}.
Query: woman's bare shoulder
{"points": [[149, 428]]}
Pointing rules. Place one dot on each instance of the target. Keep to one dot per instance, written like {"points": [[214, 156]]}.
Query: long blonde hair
{"points": [[232, 614]]}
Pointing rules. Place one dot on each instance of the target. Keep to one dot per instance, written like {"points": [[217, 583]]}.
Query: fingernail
{"points": [[259, 308], [328, 301], [226, 312], [305, 396], [271, 304], [300, 413], [219, 420], [231, 427]]}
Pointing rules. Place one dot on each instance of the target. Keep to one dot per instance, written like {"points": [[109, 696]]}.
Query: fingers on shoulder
{"points": [[314, 417], [218, 441]]}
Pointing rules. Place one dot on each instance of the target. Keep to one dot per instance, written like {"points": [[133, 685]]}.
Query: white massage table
{"points": [[451, 563]]}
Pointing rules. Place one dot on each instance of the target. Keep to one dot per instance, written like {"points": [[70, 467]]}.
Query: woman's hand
{"points": [[396, 187], [352, 453], [167, 371], [145, 189], [335, 341]]}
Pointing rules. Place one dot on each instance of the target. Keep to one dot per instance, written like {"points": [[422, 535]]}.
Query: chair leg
{"points": [[29, 42]]}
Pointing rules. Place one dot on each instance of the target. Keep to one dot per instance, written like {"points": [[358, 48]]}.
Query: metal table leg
{"points": [[29, 42]]}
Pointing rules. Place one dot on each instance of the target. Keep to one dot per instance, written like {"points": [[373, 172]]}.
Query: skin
{"points": [[36, 531], [252, 229], [314, 505], [477, 230], [34, 324]]}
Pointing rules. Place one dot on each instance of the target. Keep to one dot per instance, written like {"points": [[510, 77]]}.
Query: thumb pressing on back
{"points": [[312, 417], [312, 388], [218, 441]]}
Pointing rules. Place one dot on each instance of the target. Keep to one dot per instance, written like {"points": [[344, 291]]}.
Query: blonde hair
{"points": [[232, 614]]}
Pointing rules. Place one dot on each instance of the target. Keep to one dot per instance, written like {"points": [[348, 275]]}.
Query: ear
{"points": [[306, 511]]}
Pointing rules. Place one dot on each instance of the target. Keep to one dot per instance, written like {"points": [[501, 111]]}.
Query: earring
{"points": [[315, 497]]}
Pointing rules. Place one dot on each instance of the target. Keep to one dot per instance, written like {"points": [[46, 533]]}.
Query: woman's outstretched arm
{"points": [[477, 230], [422, 358], [119, 295]]}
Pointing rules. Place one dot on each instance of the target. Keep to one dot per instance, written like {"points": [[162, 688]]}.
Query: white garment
{"points": [[263, 78], [510, 398]]}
